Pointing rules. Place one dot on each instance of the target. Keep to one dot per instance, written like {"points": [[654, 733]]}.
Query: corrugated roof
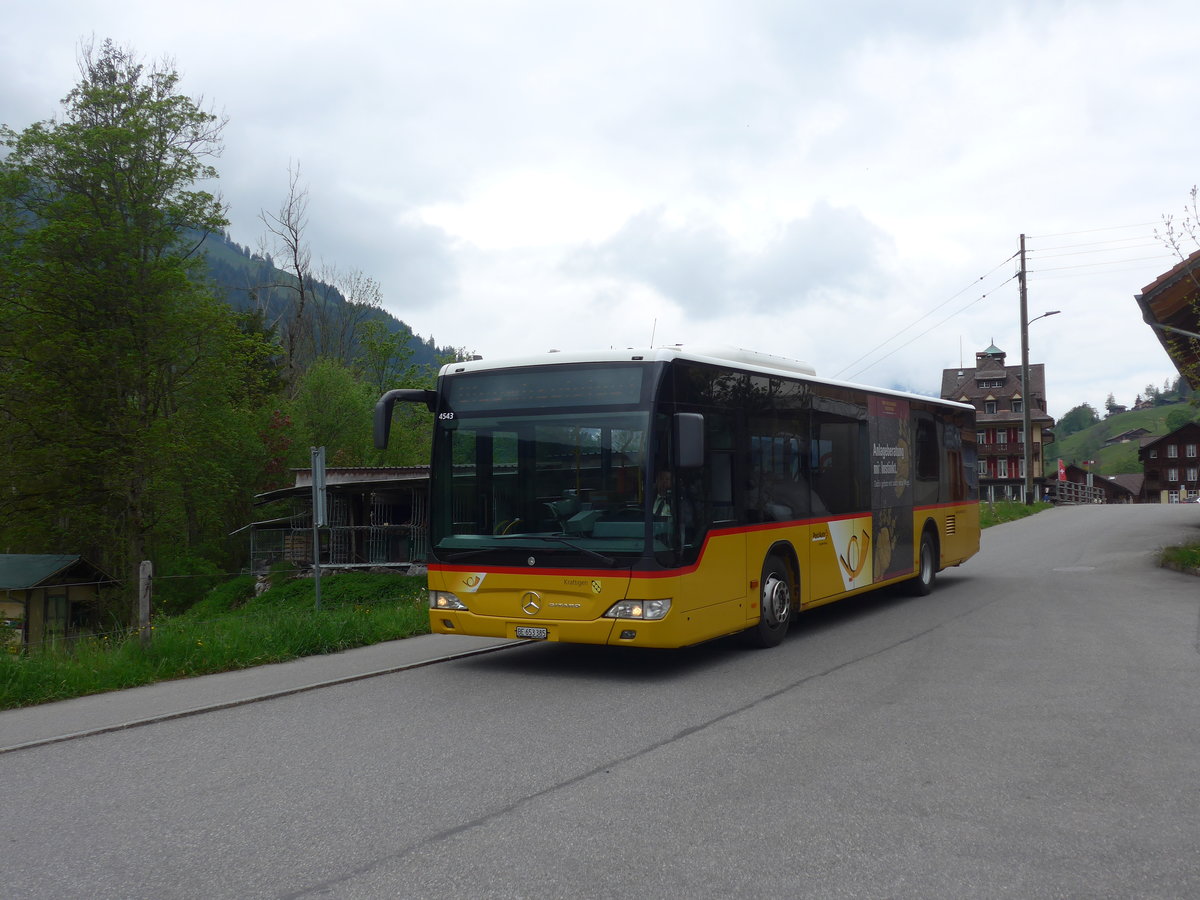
{"points": [[20, 571], [417, 475]]}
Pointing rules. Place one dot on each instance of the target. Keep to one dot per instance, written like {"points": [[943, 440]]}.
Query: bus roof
{"points": [[733, 357]]}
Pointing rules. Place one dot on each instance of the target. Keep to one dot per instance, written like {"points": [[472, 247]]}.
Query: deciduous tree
{"points": [[125, 414], [285, 230], [1077, 419]]}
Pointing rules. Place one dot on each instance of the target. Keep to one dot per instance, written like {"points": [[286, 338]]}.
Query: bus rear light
{"points": [[445, 600], [647, 610]]}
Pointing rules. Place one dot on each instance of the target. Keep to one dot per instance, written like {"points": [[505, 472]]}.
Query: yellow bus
{"points": [[664, 497]]}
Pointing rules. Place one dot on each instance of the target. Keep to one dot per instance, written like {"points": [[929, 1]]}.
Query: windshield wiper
{"points": [[607, 560], [477, 551]]}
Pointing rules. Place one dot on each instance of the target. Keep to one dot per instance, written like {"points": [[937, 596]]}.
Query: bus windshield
{"points": [[573, 482]]}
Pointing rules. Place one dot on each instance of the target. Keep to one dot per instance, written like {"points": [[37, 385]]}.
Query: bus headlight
{"points": [[445, 600], [639, 609]]}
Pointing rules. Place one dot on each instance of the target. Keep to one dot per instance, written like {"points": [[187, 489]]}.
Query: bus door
{"points": [[705, 540], [779, 494], [892, 485], [841, 538]]}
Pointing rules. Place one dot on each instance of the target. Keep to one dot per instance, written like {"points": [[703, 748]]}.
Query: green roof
{"points": [[21, 571]]}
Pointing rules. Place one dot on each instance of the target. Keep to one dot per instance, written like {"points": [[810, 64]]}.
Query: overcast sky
{"points": [[842, 183]]}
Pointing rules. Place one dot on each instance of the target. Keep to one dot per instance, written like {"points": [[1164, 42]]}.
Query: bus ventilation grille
{"points": [[951, 524]]}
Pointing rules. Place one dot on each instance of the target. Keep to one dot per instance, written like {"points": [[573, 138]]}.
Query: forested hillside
{"points": [[251, 282], [152, 384]]}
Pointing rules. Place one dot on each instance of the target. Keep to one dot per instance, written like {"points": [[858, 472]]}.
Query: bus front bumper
{"points": [[631, 632]]}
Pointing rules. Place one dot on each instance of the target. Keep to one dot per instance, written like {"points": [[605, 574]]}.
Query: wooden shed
{"points": [[46, 598]]}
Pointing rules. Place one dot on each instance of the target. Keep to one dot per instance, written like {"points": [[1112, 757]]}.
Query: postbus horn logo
{"points": [[855, 557]]}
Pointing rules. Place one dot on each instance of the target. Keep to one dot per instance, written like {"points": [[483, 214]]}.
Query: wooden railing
{"points": [[1073, 492]]}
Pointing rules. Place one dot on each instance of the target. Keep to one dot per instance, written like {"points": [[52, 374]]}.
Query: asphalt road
{"points": [[1028, 730]]}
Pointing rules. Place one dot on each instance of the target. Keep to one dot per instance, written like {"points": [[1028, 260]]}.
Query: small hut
{"points": [[46, 598]]}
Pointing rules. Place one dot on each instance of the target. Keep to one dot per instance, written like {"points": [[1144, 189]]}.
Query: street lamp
{"points": [[1025, 391]]}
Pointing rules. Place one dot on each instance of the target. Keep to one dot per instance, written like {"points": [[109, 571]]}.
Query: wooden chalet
{"points": [[1171, 464]]}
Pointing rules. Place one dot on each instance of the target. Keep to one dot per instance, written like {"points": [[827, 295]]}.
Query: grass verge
{"points": [[229, 629], [1007, 511], [1184, 558]]}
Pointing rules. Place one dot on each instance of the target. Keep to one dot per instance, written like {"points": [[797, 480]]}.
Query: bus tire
{"points": [[775, 605], [926, 565]]}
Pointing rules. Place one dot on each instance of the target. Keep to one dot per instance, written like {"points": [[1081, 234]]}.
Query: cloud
{"points": [[807, 179], [705, 271]]}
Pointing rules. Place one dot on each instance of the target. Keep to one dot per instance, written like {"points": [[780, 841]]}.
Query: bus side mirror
{"points": [[689, 440], [383, 410]]}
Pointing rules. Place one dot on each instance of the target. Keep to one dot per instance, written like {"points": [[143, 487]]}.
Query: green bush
{"points": [[181, 582], [223, 598]]}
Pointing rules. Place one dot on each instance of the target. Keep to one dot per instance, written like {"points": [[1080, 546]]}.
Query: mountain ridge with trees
{"points": [[242, 275]]}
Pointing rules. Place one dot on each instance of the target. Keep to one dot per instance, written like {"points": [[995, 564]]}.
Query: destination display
{"points": [[543, 388]]}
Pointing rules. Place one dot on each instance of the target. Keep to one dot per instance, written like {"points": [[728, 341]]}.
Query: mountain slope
{"points": [[1119, 458], [243, 278]]}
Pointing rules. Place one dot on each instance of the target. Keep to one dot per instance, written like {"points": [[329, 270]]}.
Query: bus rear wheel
{"points": [[926, 566], [775, 605]]}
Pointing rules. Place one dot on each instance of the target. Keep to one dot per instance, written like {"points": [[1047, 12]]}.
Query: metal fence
{"points": [[382, 542]]}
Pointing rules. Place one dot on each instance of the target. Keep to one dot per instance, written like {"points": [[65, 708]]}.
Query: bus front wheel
{"points": [[775, 605]]}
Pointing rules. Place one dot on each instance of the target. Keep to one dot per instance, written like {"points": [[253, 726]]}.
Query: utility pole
{"points": [[1026, 390], [1025, 398]]}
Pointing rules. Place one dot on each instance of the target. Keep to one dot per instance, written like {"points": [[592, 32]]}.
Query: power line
{"points": [[1076, 248], [1092, 265], [916, 322], [1060, 274], [1038, 237], [1100, 247], [1124, 240], [933, 327]]}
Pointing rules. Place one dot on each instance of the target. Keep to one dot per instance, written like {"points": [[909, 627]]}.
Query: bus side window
{"points": [[840, 465], [720, 486], [779, 490], [928, 456], [928, 452]]}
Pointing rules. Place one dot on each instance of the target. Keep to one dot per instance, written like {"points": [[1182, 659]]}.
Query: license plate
{"points": [[537, 634]]}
